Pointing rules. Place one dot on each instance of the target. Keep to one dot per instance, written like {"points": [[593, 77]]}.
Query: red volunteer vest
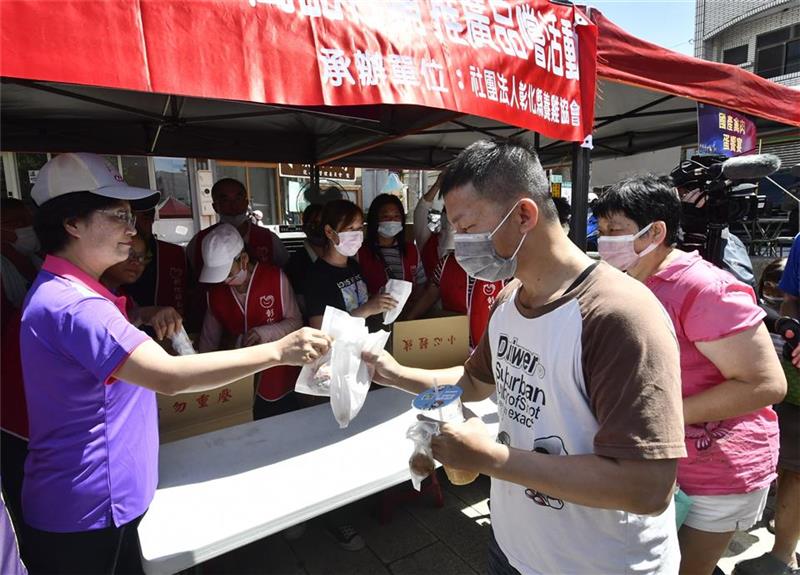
{"points": [[430, 255], [258, 244], [170, 276], [454, 289], [373, 270], [13, 409], [264, 305]]}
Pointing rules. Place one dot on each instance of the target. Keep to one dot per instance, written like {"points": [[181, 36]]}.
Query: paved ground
{"points": [[419, 539]]}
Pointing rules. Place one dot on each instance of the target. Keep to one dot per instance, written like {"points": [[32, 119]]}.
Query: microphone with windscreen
{"points": [[752, 167]]}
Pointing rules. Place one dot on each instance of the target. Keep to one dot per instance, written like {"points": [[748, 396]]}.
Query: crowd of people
{"points": [[647, 372]]}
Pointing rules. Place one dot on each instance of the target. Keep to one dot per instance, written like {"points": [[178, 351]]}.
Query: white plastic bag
{"points": [[341, 374], [181, 342], [421, 463], [400, 290], [350, 377], [315, 378]]}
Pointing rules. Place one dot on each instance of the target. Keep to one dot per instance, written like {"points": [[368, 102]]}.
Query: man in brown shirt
{"points": [[587, 376]]}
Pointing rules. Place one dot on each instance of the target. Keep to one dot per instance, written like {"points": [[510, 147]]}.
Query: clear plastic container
{"points": [[443, 404]]}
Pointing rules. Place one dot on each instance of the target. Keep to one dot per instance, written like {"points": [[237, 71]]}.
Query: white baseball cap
{"points": [[219, 248], [82, 172]]}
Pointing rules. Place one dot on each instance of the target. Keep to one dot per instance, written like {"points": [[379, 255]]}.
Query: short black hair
{"points": [[48, 223], [501, 171], [373, 215], [645, 199], [227, 182], [773, 272], [564, 210], [309, 213]]}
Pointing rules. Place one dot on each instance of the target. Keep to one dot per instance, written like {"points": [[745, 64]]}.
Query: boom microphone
{"points": [[751, 167]]}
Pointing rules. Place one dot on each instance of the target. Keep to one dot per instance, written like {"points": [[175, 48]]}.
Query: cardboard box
{"points": [[431, 343], [188, 414]]}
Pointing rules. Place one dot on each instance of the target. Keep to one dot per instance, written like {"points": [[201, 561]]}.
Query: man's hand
{"points": [[165, 321], [303, 346], [251, 338], [468, 446], [384, 368]]}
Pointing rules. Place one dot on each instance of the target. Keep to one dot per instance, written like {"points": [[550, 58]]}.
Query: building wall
{"points": [[724, 24]]}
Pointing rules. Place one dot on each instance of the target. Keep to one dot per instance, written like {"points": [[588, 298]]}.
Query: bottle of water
{"points": [[181, 342]]}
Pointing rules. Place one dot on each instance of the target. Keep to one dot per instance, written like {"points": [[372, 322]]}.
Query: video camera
{"points": [[716, 191]]}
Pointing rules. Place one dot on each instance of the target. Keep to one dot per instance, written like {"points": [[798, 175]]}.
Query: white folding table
{"points": [[225, 489]]}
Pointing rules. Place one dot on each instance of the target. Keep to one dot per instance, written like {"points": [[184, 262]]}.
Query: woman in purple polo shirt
{"points": [[90, 377]]}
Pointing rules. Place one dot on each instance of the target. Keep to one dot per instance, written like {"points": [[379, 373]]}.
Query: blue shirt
{"points": [[790, 281]]}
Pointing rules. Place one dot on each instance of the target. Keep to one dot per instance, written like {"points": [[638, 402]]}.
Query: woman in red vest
{"points": [[460, 294], [249, 303], [386, 253]]}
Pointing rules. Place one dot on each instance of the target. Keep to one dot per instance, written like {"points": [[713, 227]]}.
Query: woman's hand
{"points": [[379, 303], [303, 346], [166, 321]]}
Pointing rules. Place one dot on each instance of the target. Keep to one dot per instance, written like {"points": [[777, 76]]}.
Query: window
{"points": [[261, 183], [134, 171], [28, 166], [172, 179], [735, 56], [778, 52]]}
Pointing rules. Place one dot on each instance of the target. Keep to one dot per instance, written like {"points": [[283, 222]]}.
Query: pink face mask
{"points": [[349, 243], [238, 279], [619, 252]]}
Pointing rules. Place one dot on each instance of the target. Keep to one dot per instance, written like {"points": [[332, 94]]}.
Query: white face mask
{"points": [[619, 252], [238, 279], [235, 221], [390, 229], [476, 254], [349, 243], [26, 241]]}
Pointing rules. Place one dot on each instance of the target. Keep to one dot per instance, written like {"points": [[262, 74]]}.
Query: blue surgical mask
{"points": [[476, 254], [390, 229]]}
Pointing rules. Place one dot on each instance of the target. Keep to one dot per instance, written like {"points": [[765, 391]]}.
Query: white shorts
{"points": [[724, 513]]}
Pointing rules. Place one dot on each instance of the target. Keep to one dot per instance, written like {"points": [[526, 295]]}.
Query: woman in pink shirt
{"points": [[729, 370]]}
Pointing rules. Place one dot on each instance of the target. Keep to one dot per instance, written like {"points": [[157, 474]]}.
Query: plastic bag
{"points": [[340, 373], [421, 463], [315, 378], [181, 342], [350, 378], [400, 290]]}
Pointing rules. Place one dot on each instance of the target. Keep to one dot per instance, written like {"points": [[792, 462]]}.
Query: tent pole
{"points": [[581, 159]]}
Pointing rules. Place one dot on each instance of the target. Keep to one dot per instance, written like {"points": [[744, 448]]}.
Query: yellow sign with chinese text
{"points": [[187, 414], [431, 343]]}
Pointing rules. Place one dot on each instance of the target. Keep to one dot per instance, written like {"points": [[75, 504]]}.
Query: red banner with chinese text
{"points": [[529, 63]]}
